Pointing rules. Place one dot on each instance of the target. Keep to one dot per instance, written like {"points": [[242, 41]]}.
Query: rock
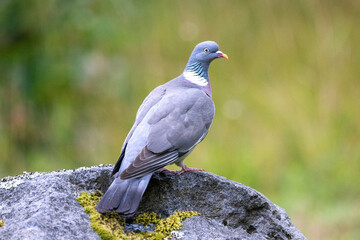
{"points": [[43, 206]]}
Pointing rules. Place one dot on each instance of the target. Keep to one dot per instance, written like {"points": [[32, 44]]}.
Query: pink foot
{"points": [[187, 169], [164, 169]]}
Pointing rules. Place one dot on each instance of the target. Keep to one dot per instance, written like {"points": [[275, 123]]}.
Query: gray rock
{"points": [[43, 206]]}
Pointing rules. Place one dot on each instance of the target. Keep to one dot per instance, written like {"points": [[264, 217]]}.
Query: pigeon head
{"points": [[197, 68], [205, 52]]}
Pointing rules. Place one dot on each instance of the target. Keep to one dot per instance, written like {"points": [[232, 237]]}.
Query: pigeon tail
{"points": [[124, 196]]}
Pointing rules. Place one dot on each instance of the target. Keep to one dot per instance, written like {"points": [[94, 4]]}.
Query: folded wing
{"points": [[176, 128]]}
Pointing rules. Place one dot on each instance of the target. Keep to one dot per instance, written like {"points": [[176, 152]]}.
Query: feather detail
{"points": [[148, 162], [195, 78], [197, 74]]}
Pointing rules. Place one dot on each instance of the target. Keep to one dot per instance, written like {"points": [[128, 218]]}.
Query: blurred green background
{"points": [[73, 74]]}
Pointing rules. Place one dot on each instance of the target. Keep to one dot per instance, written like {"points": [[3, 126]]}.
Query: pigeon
{"points": [[171, 121]]}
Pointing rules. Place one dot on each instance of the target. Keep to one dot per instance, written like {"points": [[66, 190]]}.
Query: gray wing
{"points": [[180, 123], [147, 162], [153, 97]]}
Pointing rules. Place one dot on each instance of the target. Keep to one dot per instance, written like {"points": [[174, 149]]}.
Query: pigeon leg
{"points": [[184, 168], [164, 169]]}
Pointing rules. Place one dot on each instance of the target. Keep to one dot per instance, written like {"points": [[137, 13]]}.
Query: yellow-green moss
{"points": [[147, 218], [173, 222], [2, 223], [110, 226]]}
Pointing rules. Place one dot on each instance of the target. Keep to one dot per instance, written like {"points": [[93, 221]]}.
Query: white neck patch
{"points": [[195, 78]]}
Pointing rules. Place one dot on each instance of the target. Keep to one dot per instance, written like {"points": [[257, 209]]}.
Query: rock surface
{"points": [[43, 206]]}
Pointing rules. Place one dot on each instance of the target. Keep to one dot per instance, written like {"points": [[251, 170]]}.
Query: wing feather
{"points": [[176, 127], [187, 121], [155, 96], [148, 162]]}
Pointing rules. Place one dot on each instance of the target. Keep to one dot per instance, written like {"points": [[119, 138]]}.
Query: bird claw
{"points": [[187, 169]]}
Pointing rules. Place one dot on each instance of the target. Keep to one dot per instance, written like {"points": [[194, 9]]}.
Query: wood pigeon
{"points": [[171, 121]]}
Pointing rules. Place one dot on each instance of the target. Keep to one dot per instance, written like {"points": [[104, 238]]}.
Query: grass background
{"points": [[73, 74]]}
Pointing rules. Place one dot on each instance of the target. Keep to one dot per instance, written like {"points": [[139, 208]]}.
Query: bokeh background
{"points": [[73, 74]]}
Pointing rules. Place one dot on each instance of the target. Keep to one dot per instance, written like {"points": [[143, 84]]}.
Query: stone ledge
{"points": [[43, 206]]}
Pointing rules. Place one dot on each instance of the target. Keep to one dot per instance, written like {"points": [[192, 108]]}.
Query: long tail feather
{"points": [[124, 196]]}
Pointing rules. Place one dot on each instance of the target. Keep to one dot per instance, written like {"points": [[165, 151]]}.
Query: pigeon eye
{"points": [[206, 50]]}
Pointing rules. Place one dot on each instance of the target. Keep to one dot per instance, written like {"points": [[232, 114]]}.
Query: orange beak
{"points": [[221, 54]]}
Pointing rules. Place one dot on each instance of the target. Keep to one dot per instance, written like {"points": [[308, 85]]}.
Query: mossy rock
{"points": [[229, 210], [111, 226]]}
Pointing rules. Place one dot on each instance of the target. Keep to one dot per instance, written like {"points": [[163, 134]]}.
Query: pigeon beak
{"points": [[221, 54]]}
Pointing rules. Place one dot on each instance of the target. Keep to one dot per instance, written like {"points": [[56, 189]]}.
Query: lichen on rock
{"points": [[111, 225], [147, 218], [173, 222], [108, 225], [12, 182]]}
